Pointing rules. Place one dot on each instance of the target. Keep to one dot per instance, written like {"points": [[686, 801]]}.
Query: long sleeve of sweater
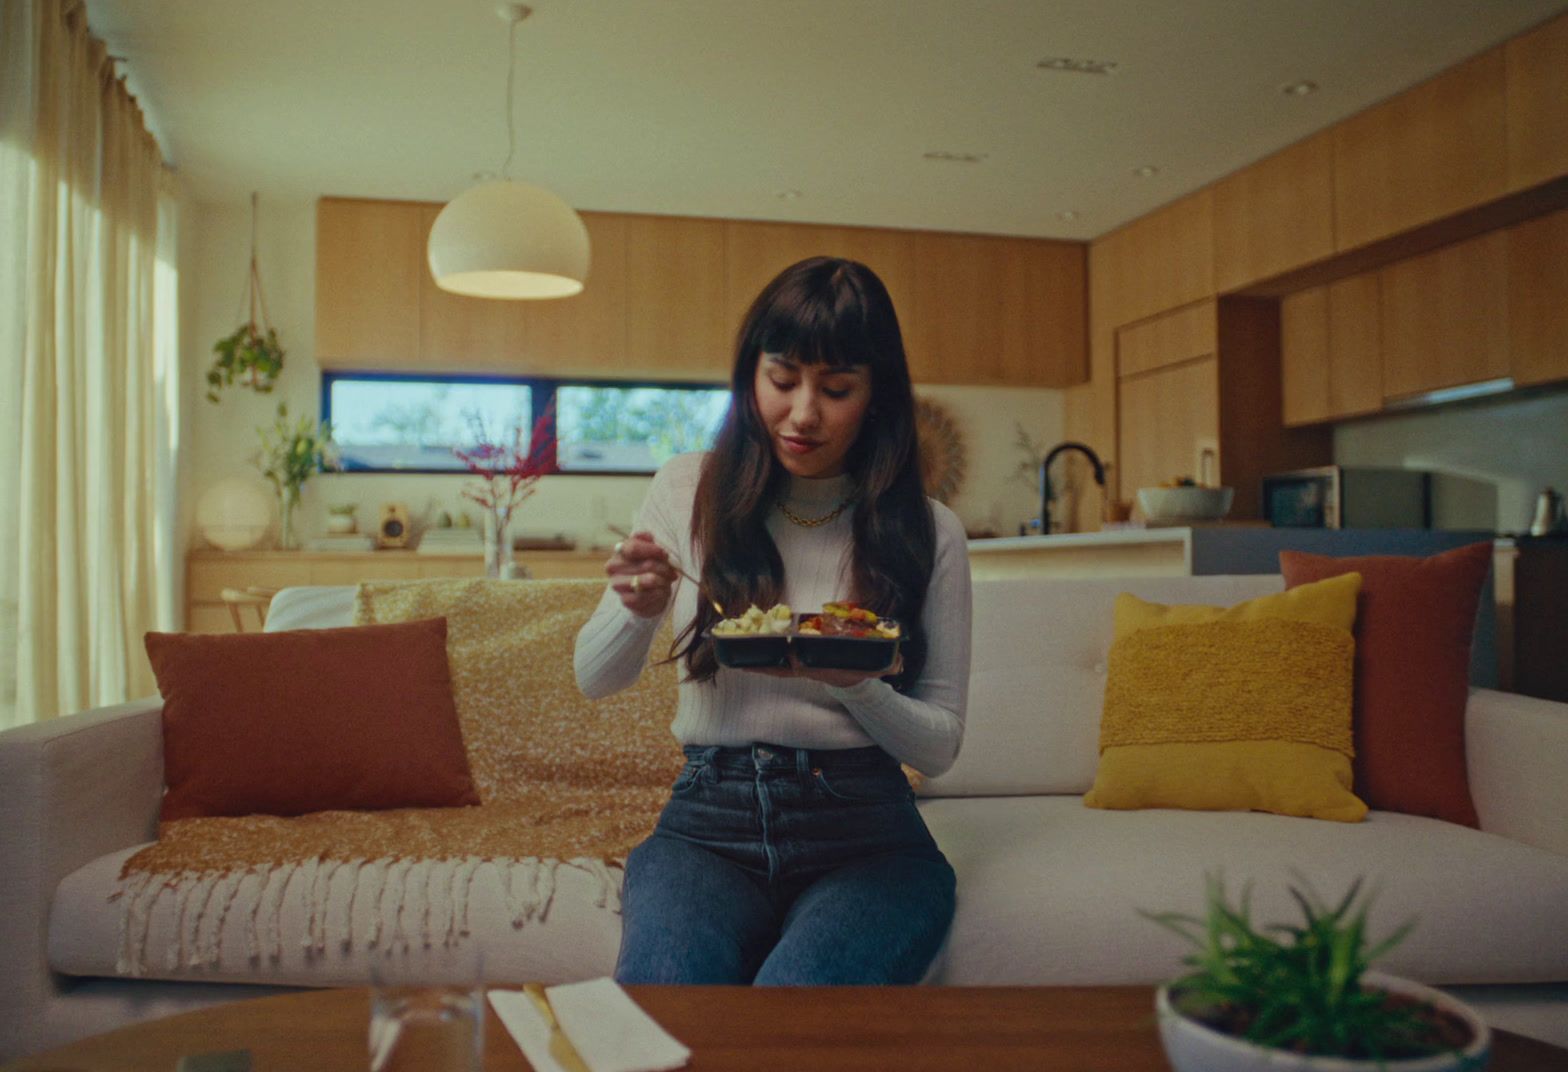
{"points": [[925, 726]]}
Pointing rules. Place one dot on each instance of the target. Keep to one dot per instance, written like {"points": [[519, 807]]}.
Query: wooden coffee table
{"points": [[904, 1029]]}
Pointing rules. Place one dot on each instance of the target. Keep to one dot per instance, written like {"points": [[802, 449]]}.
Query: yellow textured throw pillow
{"points": [[1232, 708]]}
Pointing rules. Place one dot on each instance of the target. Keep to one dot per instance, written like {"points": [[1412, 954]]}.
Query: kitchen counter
{"points": [[1239, 548]]}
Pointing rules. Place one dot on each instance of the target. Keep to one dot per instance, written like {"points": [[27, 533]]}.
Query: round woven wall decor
{"points": [[942, 457]]}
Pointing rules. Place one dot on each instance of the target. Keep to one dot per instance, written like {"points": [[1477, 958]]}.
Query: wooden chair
{"points": [[256, 598]]}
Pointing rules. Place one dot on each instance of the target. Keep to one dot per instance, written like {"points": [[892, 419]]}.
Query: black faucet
{"points": [[1045, 478]]}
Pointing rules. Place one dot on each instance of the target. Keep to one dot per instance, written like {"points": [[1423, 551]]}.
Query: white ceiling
{"points": [[714, 107]]}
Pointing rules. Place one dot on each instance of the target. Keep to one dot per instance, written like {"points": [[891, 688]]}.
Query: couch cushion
{"points": [[1234, 708], [1413, 638], [1048, 894], [292, 722], [1049, 890], [312, 607], [1037, 677]]}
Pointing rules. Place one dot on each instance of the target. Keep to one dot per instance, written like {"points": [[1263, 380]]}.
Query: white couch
{"points": [[1049, 890]]}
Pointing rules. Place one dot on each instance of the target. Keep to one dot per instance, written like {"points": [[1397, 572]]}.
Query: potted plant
{"points": [[251, 355], [291, 453], [508, 468], [1301, 998]]}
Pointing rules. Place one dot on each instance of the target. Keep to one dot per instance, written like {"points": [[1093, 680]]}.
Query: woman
{"points": [[791, 852]]}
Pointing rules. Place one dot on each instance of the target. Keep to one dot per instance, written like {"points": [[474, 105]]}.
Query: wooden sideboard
{"points": [[208, 573]]}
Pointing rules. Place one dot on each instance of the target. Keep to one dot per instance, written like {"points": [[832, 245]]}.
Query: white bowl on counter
{"points": [[1185, 504]]}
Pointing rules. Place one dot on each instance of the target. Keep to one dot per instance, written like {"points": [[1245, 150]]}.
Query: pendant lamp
{"points": [[509, 239]]}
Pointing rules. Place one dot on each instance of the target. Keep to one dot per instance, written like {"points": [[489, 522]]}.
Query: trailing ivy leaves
{"points": [[1300, 991], [248, 357]]}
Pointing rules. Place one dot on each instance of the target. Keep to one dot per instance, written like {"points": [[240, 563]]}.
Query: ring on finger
{"points": [[637, 583]]}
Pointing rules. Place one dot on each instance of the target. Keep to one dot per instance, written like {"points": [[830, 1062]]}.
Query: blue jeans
{"points": [[783, 867]]}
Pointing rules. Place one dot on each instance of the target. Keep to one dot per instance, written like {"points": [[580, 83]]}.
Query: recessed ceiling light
{"points": [[1071, 66], [1299, 89], [955, 158], [1067, 214], [789, 195], [1145, 171]]}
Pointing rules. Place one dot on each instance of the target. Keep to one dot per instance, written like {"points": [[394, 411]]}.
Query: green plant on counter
{"points": [[1300, 991]]}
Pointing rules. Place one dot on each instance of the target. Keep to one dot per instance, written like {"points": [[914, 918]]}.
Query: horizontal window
{"points": [[406, 423]]}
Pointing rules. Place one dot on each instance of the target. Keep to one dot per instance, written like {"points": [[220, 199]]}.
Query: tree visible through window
{"points": [[633, 429]]}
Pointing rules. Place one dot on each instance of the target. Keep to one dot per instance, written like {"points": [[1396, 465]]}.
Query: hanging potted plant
{"points": [[1300, 999], [250, 356]]}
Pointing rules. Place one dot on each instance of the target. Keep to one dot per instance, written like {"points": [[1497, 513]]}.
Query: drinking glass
{"points": [[426, 1016]]}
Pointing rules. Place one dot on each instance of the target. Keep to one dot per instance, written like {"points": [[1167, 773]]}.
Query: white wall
{"points": [[1512, 447], [222, 438]]}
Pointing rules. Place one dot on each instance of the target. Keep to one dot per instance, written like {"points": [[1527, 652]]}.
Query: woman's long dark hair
{"points": [[823, 310]]}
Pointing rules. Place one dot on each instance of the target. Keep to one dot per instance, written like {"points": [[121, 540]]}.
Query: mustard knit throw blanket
{"points": [[563, 781]]}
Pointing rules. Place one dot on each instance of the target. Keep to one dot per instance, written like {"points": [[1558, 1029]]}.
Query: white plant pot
{"points": [[1194, 1047]]}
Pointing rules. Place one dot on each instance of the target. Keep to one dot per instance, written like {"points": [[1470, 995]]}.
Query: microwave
{"points": [[1348, 497]]}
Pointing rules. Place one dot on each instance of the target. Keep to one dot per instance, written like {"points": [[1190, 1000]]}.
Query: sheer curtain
{"points": [[86, 372]]}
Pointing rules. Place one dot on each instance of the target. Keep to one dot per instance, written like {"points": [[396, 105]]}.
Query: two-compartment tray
{"points": [[772, 651]]}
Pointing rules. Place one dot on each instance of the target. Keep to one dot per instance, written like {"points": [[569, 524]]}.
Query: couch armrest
{"points": [[1517, 750], [75, 788]]}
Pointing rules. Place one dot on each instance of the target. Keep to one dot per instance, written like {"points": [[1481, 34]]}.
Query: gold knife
{"points": [[561, 1047]]}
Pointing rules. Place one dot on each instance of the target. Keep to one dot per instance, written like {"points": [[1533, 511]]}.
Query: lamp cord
{"points": [[511, 68]]}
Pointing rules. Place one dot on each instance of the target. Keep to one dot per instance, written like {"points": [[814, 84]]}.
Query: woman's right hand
{"points": [[641, 574]]}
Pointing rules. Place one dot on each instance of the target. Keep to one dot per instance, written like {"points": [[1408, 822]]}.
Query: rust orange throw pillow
{"points": [[309, 720], [1414, 627]]}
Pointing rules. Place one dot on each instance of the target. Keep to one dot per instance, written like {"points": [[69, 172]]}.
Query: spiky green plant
{"points": [[1295, 988]]}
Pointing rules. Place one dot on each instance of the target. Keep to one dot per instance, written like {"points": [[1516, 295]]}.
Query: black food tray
{"points": [[816, 652]]}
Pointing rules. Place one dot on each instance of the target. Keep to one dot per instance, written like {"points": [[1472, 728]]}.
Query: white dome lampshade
{"points": [[509, 239]]}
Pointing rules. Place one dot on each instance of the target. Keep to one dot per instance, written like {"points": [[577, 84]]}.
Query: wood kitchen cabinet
{"points": [[1168, 417], [1276, 215], [1162, 260], [1537, 93], [1331, 362], [1225, 402], [1429, 152], [675, 312], [1445, 317], [1538, 300], [1001, 311], [370, 258]]}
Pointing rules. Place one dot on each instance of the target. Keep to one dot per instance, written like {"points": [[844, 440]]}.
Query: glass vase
{"points": [[498, 545], [288, 499]]}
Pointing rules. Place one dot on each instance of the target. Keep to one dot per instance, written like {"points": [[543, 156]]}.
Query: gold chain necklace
{"points": [[813, 522]]}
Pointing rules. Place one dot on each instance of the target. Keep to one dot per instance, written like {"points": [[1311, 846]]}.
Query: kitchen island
{"points": [[1238, 548]]}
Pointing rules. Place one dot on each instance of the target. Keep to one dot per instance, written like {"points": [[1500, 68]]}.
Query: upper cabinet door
{"points": [[1006, 311], [462, 334], [1162, 260], [1537, 80], [1538, 299], [1275, 215], [584, 335], [1445, 317], [1304, 357], [369, 259], [675, 318], [756, 252], [1355, 345], [1428, 153]]}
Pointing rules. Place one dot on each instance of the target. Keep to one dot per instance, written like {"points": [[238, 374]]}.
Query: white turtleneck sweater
{"points": [[921, 727]]}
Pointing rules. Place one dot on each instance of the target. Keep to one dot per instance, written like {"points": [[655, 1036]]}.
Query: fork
{"points": [[714, 603]]}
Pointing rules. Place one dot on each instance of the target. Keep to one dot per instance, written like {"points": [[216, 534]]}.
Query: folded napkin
{"points": [[609, 1030]]}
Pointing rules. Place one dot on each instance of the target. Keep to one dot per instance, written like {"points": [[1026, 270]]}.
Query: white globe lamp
{"points": [[508, 239], [234, 514]]}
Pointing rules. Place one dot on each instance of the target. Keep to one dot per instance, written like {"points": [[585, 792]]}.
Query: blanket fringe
{"points": [[407, 901]]}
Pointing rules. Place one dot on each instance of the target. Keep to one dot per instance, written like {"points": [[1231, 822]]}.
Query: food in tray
{"points": [[777, 620], [848, 619]]}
